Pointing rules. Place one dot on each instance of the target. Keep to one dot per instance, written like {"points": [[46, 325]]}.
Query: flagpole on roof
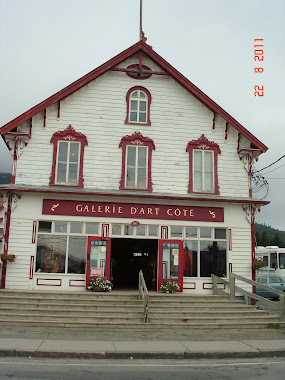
{"points": [[140, 20]]}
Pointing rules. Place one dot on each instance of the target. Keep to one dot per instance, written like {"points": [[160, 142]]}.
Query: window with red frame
{"points": [[203, 166], [138, 106], [67, 167], [136, 162]]}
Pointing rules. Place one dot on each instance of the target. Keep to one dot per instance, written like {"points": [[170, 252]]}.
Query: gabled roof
{"points": [[164, 65]]}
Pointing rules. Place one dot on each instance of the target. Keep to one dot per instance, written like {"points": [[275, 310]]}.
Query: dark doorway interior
{"points": [[128, 257]]}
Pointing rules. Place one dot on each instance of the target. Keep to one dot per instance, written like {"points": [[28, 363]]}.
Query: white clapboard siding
{"points": [[20, 245], [99, 110], [241, 254]]}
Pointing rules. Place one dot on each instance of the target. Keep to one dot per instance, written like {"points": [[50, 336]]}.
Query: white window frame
{"points": [[139, 100], [203, 190], [67, 182], [136, 167]]}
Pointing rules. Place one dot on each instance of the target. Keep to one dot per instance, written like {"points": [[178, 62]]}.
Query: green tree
{"points": [[276, 240], [264, 239]]}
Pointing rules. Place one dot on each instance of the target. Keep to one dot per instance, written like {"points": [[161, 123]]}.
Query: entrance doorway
{"points": [[128, 257]]}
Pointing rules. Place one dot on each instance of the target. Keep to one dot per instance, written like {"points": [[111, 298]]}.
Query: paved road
{"points": [[67, 369]]}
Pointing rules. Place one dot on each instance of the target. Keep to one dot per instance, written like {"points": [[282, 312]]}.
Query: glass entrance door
{"points": [[98, 258], [170, 262]]}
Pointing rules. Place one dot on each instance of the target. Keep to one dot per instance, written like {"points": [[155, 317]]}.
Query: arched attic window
{"points": [[67, 164], [138, 106], [136, 162], [203, 166]]}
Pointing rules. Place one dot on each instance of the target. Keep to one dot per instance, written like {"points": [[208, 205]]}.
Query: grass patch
{"points": [[273, 326]]}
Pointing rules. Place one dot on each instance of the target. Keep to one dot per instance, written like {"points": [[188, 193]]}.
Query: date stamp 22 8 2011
{"points": [[259, 58]]}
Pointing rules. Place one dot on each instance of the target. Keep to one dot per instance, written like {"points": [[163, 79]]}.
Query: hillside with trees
{"points": [[266, 235]]}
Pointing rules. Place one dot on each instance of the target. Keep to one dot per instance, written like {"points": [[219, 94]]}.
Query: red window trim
{"points": [[136, 139], [203, 144], [128, 105], [69, 135], [137, 68]]}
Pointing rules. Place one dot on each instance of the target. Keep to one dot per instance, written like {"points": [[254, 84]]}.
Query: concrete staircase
{"points": [[124, 310]]}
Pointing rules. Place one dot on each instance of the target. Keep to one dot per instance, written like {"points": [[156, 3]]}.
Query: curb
{"points": [[140, 355]]}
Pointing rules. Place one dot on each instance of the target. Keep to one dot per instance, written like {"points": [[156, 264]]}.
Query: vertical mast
{"points": [[140, 20]]}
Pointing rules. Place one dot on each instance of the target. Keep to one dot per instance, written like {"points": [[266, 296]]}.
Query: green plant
{"points": [[169, 287], [257, 264], [274, 326], [8, 257], [99, 284]]}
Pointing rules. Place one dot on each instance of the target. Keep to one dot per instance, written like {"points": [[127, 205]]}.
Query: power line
{"points": [[273, 169], [271, 164]]}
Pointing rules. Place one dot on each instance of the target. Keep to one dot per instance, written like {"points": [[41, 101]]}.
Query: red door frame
{"points": [[108, 256], [159, 264]]}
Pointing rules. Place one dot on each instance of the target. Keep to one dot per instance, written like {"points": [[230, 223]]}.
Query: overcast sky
{"points": [[47, 44]]}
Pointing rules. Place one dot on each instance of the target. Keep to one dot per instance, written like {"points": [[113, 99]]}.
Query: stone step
{"points": [[142, 326], [50, 307], [68, 312], [212, 319], [74, 296], [210, 313], [71, 302]]}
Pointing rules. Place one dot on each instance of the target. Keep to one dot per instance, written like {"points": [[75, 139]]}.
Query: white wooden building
{"points": [[130, 167]]}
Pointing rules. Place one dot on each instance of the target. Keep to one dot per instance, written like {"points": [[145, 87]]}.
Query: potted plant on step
{"points": [[99, 284], [169, 287]]}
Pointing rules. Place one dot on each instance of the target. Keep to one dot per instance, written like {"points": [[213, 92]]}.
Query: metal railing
{"points": [[231, 284], [143, 295]]}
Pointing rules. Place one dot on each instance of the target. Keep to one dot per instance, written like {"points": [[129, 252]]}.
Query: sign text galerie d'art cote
{"points": [[131, 210]]}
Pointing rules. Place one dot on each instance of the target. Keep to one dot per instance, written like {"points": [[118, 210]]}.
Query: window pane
{"points": [[191, 232], [208, 161], [92, 228], [206, 233], [74, 151], [208, 182], [77, 254], [44, 226], [128, 230], [134, 105], [76, 228], [141, 177], [197, 160], [190, 258], [131, 155], [142, 117], [212, 258], [133, 116], [220, 233], [176, 231], [142, 94], [72, 173], [60, 227], [130, 176], [170, 260], [61, 172], [142, 156], [62, 151], [152, 230], [197, 181], [134, 94], [143, 106], [141, 230], [274, 280], [51, 251], [116, 229]]}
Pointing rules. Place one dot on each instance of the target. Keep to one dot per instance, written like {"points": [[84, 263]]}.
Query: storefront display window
{"points": [[213, 258], [51, 251], [190, 258], [77, 254]]}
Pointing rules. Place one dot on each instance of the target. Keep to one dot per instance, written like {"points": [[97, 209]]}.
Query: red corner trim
{"points": [[134, 49], [128, 105], [204, 144], [69, 134], [136, 139]]}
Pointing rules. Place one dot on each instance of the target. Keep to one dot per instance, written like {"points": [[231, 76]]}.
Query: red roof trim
{"points": [[176, 75], [140, 196]]}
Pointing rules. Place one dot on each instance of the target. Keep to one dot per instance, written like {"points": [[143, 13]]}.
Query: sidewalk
{"points": [[133, 344]]}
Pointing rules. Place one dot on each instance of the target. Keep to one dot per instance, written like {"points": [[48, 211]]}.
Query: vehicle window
{"points": [[282, 260], [273, 260], [274, 280], [262, 280]]}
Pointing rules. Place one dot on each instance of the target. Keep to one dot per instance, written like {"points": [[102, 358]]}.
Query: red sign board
{"points": [[97, 272], [132, 210]]}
